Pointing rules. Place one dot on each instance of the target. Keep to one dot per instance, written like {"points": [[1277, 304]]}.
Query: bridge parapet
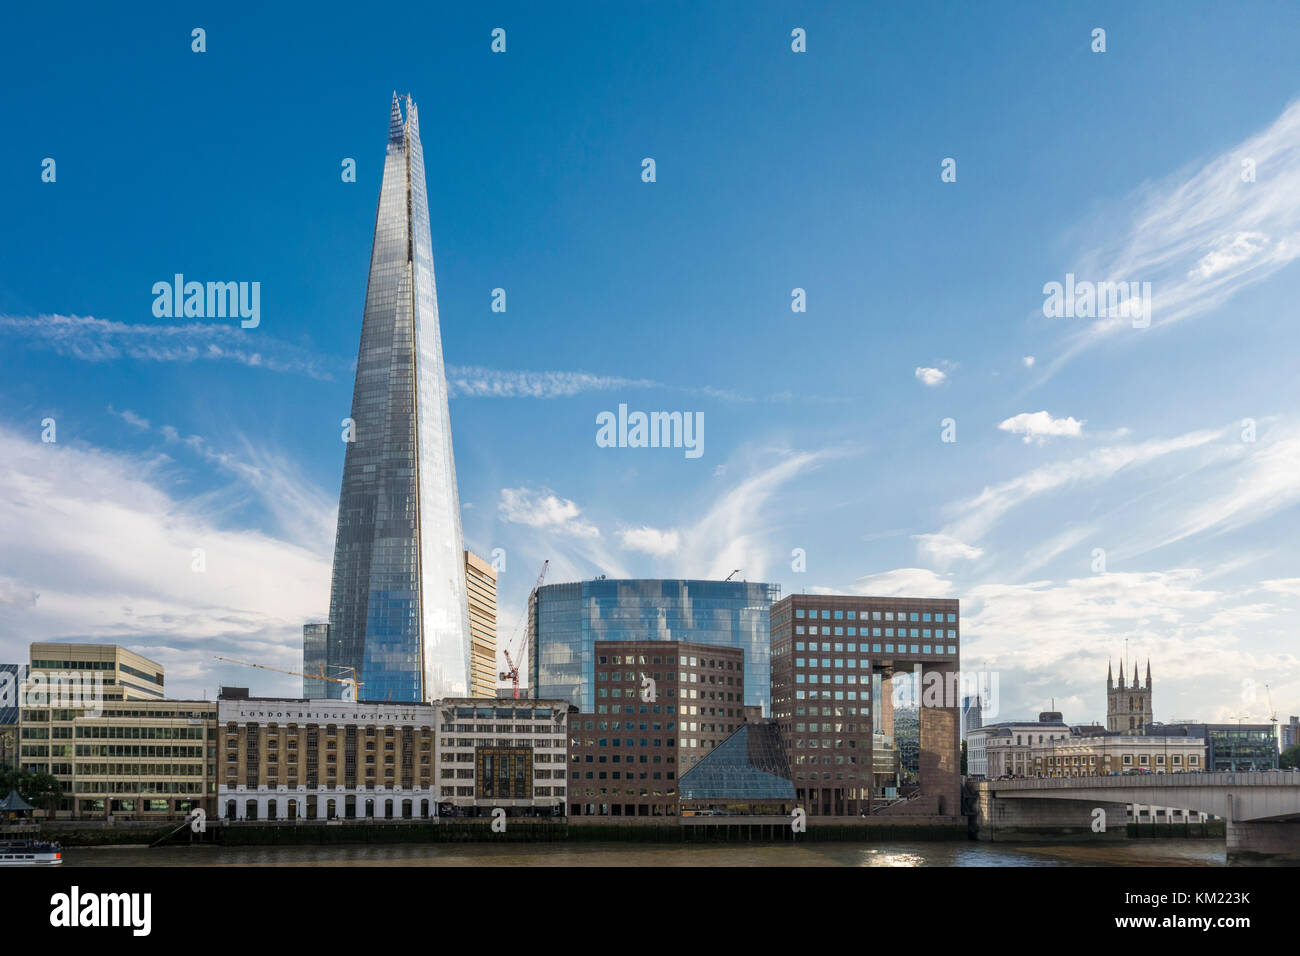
{"points": [[1284, 780]]}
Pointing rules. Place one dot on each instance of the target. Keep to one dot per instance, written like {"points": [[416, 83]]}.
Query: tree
{"points": [[39, 789], [1290, 757]]}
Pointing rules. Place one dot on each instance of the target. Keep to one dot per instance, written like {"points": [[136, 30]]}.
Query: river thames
{"points": [[1170, 852]]}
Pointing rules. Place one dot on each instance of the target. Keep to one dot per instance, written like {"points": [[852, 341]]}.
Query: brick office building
{"points": [[832, 657], [660, 706]]}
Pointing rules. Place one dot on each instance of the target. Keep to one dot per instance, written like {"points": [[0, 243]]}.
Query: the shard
{"points": [[398, 612]]}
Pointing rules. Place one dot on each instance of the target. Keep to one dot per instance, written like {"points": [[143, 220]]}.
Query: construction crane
{"points": [[521, 650], [350, 684], [1272, 711], [732, 574]]}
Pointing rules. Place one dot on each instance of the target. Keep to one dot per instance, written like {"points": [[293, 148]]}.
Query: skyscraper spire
{"points": [[395, 121]]}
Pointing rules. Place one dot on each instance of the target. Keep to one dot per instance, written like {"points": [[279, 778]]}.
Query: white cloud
{"points": [[1039, 426], [1054, 639], [931, 376], [543, 509], [93, 548], [1029, 361], [912, 582], [946, 548], [1287, 586], [650, 541], [131, 418], [1229, 251]]}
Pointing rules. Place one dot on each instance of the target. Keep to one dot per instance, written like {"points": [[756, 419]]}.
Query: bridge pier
{"points": [[1267, 838], [1024, 819]]}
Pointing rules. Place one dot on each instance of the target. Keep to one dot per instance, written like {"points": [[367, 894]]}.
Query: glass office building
{"points": [[566, 620], [398, 612], [1228, 747]]}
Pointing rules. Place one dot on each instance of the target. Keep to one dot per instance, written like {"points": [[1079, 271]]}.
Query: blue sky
{"points": [[775, 170]]}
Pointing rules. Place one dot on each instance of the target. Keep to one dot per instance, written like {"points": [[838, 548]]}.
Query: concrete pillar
{"points": [[1264, 839], [1005, 818]]}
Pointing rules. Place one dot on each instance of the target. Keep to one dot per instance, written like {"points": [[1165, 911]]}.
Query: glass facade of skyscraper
{"points": [[398, 612], [315, 659], [566, 620]]}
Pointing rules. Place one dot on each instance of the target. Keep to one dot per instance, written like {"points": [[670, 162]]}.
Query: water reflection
{"points": [[1132, 853]]}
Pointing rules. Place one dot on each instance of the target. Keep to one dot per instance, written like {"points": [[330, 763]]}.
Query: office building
{"points": [[971, 714], [1291, 733], [509, 754], [831, 656], [567, 620], [127, 759], [481, 584], [1228, 747], [123, 674], [92, 716], [398, 609], [661, 706]]}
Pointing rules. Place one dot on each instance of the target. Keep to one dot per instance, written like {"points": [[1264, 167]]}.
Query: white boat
{"points": [[30, 853]]}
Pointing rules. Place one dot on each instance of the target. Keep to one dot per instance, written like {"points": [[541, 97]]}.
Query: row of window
{"points": [[922, 632], [829, 695], [924, 616], [874, 648]]}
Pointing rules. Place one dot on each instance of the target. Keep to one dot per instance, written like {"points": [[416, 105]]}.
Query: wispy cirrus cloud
{"points": [[477, 381], [473, 381], [979, 513], [1201, 236], [102, 340]]}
